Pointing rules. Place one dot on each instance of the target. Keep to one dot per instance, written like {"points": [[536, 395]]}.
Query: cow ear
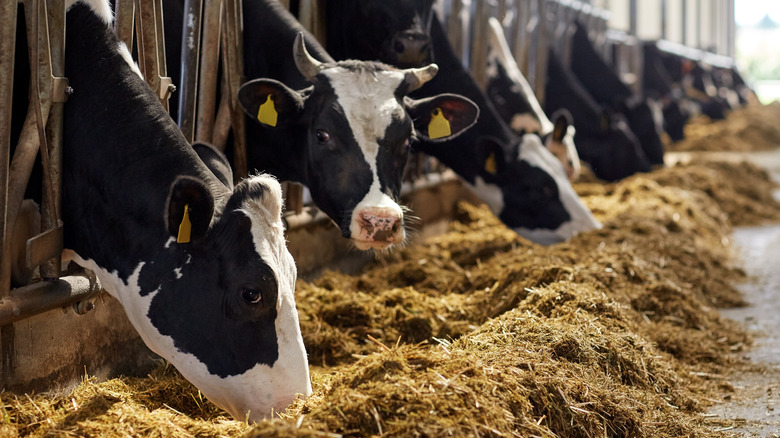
{"points": [[491, 159], [441, 117], [216, 161], [270, 102], [561, 120], [190, 209]]}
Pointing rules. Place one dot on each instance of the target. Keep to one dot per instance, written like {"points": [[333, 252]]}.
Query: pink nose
{"points": [[378, 224]]}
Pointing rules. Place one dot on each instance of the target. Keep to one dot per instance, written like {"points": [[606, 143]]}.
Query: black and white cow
{"points": [[395, 32], [512, 96], [658, 84], [200, 267], [521, 181], [603, 141], [342, 129], [606, 87]]}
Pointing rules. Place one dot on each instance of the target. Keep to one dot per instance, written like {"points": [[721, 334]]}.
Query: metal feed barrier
{"points": [[215, 33]]}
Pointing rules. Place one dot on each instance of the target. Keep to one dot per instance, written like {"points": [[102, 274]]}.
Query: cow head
{"points": [[396, 33], [356, 126], [220, 306], [560, 142], [528, 189]]}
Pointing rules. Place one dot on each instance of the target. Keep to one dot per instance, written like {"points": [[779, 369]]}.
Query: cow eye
{"points": [[323, 136], [251, 296]]}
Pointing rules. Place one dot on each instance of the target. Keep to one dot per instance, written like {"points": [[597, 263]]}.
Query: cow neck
{"points": [[460, 153], [121, 153]]}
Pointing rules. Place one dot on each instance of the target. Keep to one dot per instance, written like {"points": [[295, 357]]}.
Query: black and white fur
{"points": [[219, 308]]}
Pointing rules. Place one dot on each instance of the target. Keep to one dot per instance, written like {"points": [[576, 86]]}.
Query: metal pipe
{"points": [[209, 63], [8, 10], [43, 296], [233, 58], [540, 65], [684, 22], [190, 50], [663, 19], [124, 10], [479, 44]]}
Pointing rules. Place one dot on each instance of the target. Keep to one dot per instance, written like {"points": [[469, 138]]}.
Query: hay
{"points": [[752, 128], [478, 332]]}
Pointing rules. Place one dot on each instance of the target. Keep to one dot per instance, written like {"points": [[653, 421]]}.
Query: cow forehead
{"points": [[368, 98]]}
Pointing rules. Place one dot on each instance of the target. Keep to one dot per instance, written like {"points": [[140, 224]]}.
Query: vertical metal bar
{"points": [[663, 19], [233, 59], [731, 26], [209, 63], [7, 55], [190, 50], [312, 16], [684, 22], [540, 64], [124, 10], [50, 218], [632, 18], [479, 44], [698, 18]]}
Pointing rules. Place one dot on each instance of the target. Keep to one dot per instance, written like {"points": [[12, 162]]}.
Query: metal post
{"points": [[540, 58], [190, 50], [731, 28], [233, 62], [7, 54], [685, 22], [209, 63], [455, 27], [479, 44], [124, 10]]}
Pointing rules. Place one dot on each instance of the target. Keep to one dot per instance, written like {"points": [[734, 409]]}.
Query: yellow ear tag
{"points": [[439, 126], [184, 227], [490, 164], [267, 113]]}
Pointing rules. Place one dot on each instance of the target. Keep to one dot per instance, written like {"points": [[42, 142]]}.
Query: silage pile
{"points": [[479, 332], [752, 128]]}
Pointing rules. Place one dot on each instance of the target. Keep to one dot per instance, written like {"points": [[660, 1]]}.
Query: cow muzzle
{"points": [[377, 227]]}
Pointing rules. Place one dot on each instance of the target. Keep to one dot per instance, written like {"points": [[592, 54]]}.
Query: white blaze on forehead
{"points": [[370, 106], [534, 153]]}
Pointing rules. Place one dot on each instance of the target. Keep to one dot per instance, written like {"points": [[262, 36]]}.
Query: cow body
{"points": [[604, 142], [219, 305], [608, 90]]}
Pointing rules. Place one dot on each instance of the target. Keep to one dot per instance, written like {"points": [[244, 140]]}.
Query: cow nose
{"points": [[379, 227], [412, 48]]}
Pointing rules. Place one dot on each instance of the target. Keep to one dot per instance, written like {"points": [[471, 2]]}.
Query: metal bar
{"points": [[540, 63], [166, 84], [731, 28], [124, 10], [479, 43], [209, 63], [455, 27], [233, 59], [190, 50], [684, 22], [7, 54], [663, 19], [50, 214], [43, 296]]}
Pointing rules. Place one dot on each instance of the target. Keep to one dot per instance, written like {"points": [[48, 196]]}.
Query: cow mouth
{"points": [[365, 245]]}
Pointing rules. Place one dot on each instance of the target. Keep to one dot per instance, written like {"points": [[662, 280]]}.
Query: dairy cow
{"points": [[609, 91], [658, 84], [512, 96], [603, 141], [342, 129], [521, 181], [200, 266]]}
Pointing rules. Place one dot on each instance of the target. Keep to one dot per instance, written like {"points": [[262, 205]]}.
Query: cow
{"points": [[199, 265], [513, 98], [342, 129], [657, 84], [516, 176], [396, 33], [603, 140], [604, 85]]}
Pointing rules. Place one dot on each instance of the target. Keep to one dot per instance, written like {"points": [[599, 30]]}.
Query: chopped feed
{"points": [[478, 332], [752, 128]]}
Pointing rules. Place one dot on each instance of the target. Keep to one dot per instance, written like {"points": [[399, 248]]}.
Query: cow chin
{"points": [[365, 245]]}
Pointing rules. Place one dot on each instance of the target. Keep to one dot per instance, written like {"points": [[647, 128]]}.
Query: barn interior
{"points": [[649, 326]]}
